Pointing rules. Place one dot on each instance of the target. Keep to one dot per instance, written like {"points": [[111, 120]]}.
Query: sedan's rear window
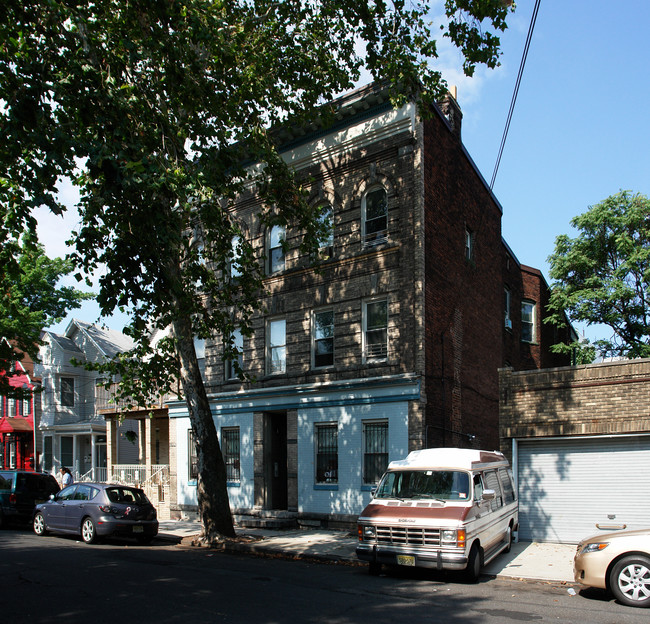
{"points": [[126, 495], [6, 480]]}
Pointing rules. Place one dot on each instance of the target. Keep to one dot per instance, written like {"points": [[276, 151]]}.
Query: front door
{"points": [[275, 439]]}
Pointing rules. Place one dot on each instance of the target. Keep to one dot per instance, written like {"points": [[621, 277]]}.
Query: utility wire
{"points": [[533, 19]]}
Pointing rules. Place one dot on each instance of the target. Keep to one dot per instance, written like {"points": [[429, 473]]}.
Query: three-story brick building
{"points": [[394, 345]]}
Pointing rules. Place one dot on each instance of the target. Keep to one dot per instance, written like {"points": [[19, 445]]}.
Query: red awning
{"points": [[9, 425]]}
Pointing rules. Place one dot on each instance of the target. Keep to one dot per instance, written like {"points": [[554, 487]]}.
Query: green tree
{"points": [[602, 276], [30, 300], [155, 107]]}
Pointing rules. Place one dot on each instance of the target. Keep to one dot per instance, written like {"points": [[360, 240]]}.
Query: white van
{"points": [[442, 508]]}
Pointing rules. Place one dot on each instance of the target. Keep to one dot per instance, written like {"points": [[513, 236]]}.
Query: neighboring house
{"points": [[74, 434], [394, 345], [151, 428], [579, 439], [17, 420]]}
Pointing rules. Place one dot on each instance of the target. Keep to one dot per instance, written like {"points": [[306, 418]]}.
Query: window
{"points": [[235, 366], [192, 457], [275, 252], [67, 391], [492, 483], [230, 441], [507, 485], [375, 330], [323, 338], [67, 446], [527, 321], [235, 261], [469, 244], [375, 451], [327, 453], [374, 209], [276, 348], [506, 308], [326, 222]]}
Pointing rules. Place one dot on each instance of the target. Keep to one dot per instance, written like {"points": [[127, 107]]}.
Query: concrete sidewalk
{"points": [[527, 560]]}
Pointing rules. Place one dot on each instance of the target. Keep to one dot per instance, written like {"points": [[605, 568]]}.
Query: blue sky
{"points": [[579, 132]]}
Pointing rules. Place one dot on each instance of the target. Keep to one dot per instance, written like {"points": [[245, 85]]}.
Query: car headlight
{"points": [[367, 532], [452, 537], [594, 547]]}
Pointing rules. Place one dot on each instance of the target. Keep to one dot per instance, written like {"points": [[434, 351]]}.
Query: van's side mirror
{"points": [[489, 495]]}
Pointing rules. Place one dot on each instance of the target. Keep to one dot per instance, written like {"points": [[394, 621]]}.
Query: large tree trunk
{"points": [[212, 491]]}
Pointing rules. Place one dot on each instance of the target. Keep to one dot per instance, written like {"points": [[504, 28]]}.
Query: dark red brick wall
{"points": [[463, 299]]}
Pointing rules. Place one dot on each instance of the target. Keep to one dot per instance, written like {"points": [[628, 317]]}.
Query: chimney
{"points": [[450, 109]]}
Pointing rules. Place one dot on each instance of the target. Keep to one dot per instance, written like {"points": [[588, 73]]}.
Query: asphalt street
{"points": [[57, 579]]}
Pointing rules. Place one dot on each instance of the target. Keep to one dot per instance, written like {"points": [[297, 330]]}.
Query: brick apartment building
{"points": [[395, 344]]}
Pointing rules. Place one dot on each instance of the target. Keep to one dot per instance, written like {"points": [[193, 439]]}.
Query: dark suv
{"points": [[21, 491]]}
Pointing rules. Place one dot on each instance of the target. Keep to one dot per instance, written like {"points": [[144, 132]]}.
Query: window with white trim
{"points": [[327, 453], [192, 457], [374, 212], [235, 258], [322, 338], [528, 310], [375, 330], [66, 387], [231, 456], [235, 365], [375, 450], [326, 222], [274, 249], [276, 346], [507, 297], [469, 244]]}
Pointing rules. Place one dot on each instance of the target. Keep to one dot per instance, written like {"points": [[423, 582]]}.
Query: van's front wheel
{"points": [[473, 569]]}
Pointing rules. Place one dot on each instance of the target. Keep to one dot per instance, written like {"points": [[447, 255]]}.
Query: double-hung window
{"points": [[235, 258], [275, 250], [375, 330], [374, 209], [506, 308], [375, 451], [527, 321], [327, 453], [192, 457], [326, 224], [230, 444], [67, 391], [235, 365], [322, 338], [276, 346]]}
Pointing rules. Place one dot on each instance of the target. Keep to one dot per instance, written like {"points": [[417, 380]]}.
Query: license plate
{"points": [[405, 560], [138, 529]]}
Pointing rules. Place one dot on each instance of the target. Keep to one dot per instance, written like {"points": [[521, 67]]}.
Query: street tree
{"points": [[156, 109], [602, 276], [31, 299]]}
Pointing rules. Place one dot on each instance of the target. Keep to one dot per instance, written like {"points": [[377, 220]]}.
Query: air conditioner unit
{"points": [[508, 324]]}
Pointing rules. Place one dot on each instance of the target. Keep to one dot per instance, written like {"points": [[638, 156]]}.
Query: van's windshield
{"points": [[447, 485]]}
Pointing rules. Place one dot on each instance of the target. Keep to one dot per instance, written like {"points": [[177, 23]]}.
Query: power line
{"points": [[533, 19]]}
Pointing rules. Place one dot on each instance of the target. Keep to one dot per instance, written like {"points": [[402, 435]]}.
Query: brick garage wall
{"points": [[463, 298], [598, 399]]}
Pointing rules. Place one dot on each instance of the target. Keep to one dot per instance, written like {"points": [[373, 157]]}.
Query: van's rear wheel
{"points": [[473, 569]]}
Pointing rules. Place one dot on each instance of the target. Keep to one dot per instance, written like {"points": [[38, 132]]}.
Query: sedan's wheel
{"points": [[39, 524], [630, 581], [88, 533]]}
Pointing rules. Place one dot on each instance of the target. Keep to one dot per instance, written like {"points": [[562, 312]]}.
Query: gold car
{"points": [[619, 562]]}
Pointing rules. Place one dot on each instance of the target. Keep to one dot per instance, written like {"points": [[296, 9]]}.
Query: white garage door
{"points": [[573, 488]]}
